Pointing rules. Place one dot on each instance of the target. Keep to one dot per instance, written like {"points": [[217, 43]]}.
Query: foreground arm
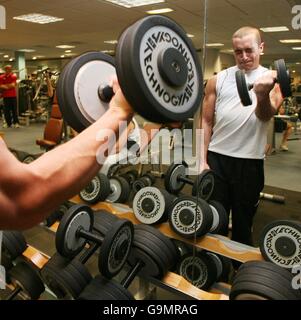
{"points": [[29, 193]]}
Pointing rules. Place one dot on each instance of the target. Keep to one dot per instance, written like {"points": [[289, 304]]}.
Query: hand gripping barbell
{"points": [[283, 78], [75, 229], [157, 68]]}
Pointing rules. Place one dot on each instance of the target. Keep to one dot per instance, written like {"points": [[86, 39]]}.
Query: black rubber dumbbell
{"points": [[152, 255], [203, 269], [115, 240], [190, 216], [263, 280], [176, 177], [13, 245], [26, 281], [151, 205], [146, 180], [96, 190]]}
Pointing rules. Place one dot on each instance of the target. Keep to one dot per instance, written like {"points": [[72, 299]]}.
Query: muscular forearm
{"points": [[58, 174], [264, 109]]}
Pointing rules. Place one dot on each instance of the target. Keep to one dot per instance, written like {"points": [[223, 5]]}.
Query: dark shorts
{"points": [[280, 125]]}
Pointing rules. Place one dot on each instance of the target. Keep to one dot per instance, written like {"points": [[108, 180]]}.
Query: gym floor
{"points": [[282, 170]]}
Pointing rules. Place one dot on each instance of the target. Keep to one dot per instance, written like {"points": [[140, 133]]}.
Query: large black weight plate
{"points": [[68, 244], [13, 244], [115, 248], [204, 185], [280, 243], [242, 88], [262, 280], [190, 217], [162, 242], [77, 88], [145, 45], [171, 180], [283, 78]]}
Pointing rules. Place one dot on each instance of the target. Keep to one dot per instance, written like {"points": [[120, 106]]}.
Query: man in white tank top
{"points": [[235, 136]]}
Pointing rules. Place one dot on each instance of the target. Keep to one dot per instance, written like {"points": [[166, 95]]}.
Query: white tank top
{"points": [[237, 132]]}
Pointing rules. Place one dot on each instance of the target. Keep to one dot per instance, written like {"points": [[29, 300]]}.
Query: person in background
{"points": [[8, 83], [287, 129]]}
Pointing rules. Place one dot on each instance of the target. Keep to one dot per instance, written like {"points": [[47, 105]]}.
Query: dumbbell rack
{"points": [[172, 281], [214, 243]]}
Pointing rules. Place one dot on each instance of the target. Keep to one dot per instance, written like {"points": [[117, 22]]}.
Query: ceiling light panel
{"points": [[274, 29], [134, 3], [38, 18]]}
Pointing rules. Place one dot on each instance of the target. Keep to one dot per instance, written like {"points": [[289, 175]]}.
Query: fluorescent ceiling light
{"points": [[62, 56], [159, 11], [290, 41], [274, 29], [34, 58], [190, 35], [26, 50], [67, 51], [107, 51], [11, 59], [298, 62], [6, 56], [214, 44], [227, 51], [111, 41], [134, 3], [38, 18], [296, 48], [65, 46]]}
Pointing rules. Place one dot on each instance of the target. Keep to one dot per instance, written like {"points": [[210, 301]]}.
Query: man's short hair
{"points": [[244, 31]]}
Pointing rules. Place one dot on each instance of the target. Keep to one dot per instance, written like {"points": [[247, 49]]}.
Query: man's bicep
{"points": [[276, 98], [209, 101]]}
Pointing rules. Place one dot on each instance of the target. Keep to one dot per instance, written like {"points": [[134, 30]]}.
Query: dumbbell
{"points": [[13, 245], [263, 280], [157, 68], [130, 176], [203, 268], [279, 242], [115, 189], [190, 216], [146, 180], [151, 205], [176, 178], [152, 255], [96, 190], [75, 230], [26, 281], [283, 78]]}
